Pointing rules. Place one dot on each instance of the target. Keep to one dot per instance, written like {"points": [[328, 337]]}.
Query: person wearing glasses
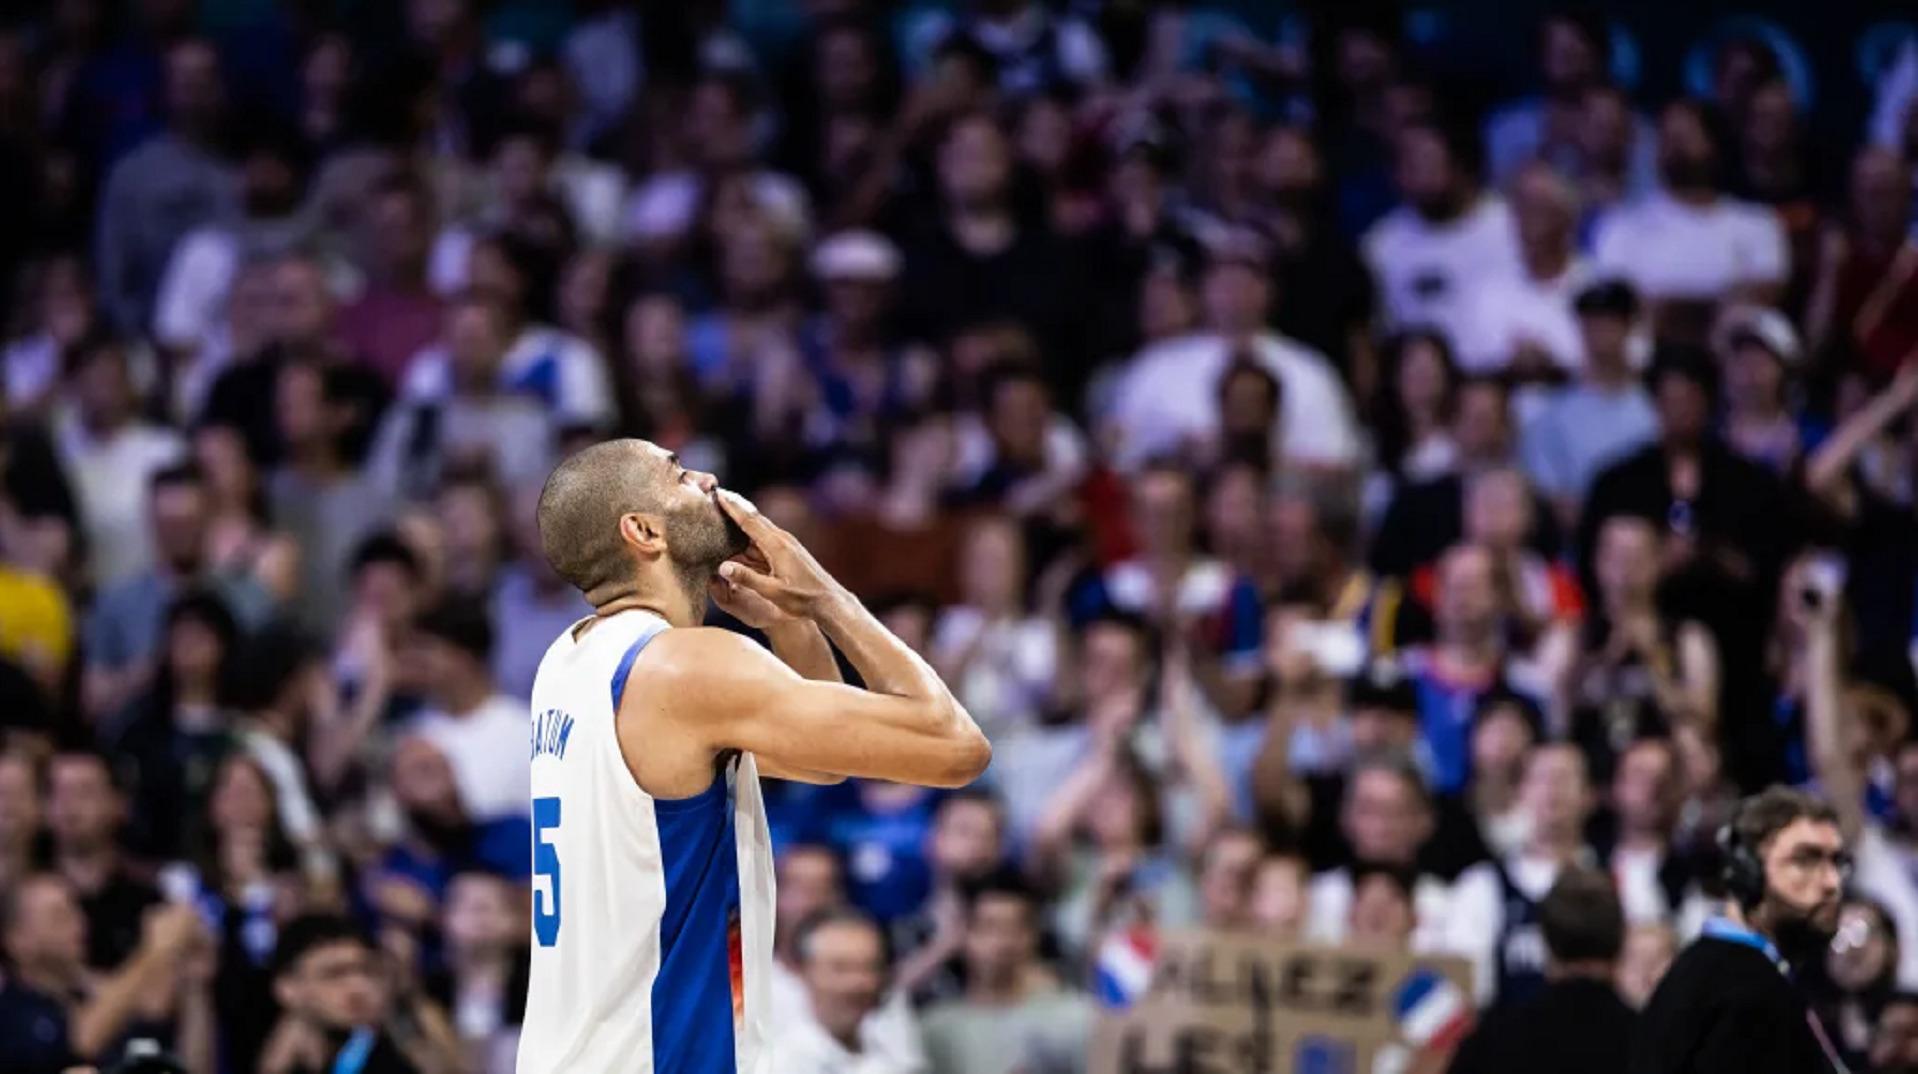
{"points": [[1732, 1000]]}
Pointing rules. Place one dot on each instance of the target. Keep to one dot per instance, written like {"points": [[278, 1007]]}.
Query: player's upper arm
{"points": [[739, 696]]}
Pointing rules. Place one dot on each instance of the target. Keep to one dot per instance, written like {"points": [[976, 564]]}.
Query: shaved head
{"points": [[587, 498]]}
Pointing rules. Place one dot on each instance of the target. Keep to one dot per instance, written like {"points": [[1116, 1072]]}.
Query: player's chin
{"points": [[734, 539]]}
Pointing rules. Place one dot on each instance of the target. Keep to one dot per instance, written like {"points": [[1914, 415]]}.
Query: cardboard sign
{"points": [[1227, 1003]]}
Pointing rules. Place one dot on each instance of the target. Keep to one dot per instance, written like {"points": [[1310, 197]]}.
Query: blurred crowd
{"points": [[1347, 496]]}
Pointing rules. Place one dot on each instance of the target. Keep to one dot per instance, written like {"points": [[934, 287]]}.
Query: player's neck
{"points": [[676, 608]]}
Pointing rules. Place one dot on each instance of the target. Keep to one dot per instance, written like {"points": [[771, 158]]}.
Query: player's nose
{"points": [[707, 483]]}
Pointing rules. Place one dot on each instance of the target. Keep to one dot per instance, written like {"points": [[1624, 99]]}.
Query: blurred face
{"points": [[1754, 379], [808, 882], [719, 125], [1467, 594], [1225, 879], [472, 520], [83, 809], [193, 650], [177, 512], [1645, 788], [1295, 538], [1019, 415], [966, 839], [1554, 792], [387, 591], [48, 930], [655, 333], [1627, 560], [1802, 870], [1483, 428], [1605, 135], [1278, 897], [1686, 157], [1384, 818], [1109, 660], [302, 310], [1045, 136], [1894, 1043], [1428, 179], [846, 71], [241, 799], [1498, 510], [401, 231], [479, 913], [1567, 58], [975, 164], [1862, 951], [1235, 508], [519, 170], [1545, 209], [1771, 120], [992, 566], [422, 780], [753, 264], [1237, 296], [476, 341], [1381, 914], [299, 404], [857, 302], [1246, 410], [444, 668], [1162, 513], [1000, 937], [1604, 337], [1288, 166], [335, 986], [1499, 740], [1165, 305], [489, 269], [1880, 193], [1684, 409], [103, 392], [19, 802], [193, 89], [845, 974], [221, 455], [1376, 729], [1423, 381], [1642, 964]]}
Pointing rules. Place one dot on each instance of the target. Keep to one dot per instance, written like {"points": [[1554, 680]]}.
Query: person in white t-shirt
{"points": [[1524, 322], [481, 731], [848, 1023], [1431, 253], [1687, 242]]}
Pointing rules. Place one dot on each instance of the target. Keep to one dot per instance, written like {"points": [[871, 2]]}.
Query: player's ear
{"points": [[644, 531]]}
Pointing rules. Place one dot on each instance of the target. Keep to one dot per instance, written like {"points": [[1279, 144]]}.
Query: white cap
{"points": [[1770, 328], [856, 255]]}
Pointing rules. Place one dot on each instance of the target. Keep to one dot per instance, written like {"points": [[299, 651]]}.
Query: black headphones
{"points": [[1740, 869]]}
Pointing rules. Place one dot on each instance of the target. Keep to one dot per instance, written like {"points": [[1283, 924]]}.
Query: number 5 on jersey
{"points": [[546, 865]]}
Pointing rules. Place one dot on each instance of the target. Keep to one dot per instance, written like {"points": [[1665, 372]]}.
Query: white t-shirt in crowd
{"points": [[109, 476], [888, 1037], [562, 370], [1427, 273], [1668, 249], [1885, 872], [1168, 395], [1476, 918], [486, 749], [1503, 313]]}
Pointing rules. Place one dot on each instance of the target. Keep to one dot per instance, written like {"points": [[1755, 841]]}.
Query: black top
{"points": [[33, 1032], [1724, 1006], [1575, 1026]]}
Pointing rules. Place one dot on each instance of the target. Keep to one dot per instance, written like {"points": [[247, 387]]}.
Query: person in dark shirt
{"points": [[1730, 1002], [85, 812], [326, 979], [1576, 1024]]}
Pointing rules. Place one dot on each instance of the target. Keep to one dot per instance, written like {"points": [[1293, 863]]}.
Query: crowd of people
{"points": [[1350, 505]]}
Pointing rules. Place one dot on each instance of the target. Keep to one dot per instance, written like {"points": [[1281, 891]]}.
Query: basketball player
{"points": [[653, 871]]}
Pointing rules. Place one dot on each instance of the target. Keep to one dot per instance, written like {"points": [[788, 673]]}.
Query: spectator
{"points": [[1648, 953], [397, 315], [719, 119], [1167, 395], [849, 1022], [1862, 299], [481, 731], [20, 817], [1415, 407], [810, 880], [64, 317], [1386, 815], [1606, 413], [1859, 977], [1430, 254], [967, 843], [1001, 657], [437, 841], [85, 816], [483, 986], [1382, 916], [1759, 350], [124, 632], [1014, 1012], [1278, 904], [110, 454], [1522, 324], [1654, 877], [1325, 293], [1019, 452], [1574, 59], [529, 605], [1495, 916], [55, 1012], [241, 538], [1688, 245], [1576, 1022], [328, 983], [279, 683], [158, 193], [473, 420], [1032, 49]]}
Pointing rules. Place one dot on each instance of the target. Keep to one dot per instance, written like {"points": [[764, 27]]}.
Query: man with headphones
{"points": [[1731, 1001]]}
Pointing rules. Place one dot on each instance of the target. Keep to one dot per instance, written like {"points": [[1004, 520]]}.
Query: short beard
{"points": [[701, 542], [1799, 936]]}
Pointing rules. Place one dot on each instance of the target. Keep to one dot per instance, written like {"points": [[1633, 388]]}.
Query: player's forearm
{"points": [[801, 646], [888, 665]]}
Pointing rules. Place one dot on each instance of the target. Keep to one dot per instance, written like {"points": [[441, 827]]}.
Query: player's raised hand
{"points": [[776, 567]]}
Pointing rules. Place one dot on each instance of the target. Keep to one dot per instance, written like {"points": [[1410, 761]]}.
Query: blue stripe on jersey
{"points": [[693, 994], [625, 667]]}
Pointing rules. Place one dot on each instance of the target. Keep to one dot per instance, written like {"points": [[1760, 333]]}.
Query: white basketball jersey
{"points": [[652, 918]]}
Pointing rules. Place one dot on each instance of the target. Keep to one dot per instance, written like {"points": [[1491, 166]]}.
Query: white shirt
{"points": [[110, 478], [487, 751], [1502, 313], [1328, 909], [1168, 395], [888, 1036], [193, 291], [663, 208], [1671, 250], [1010, 675], [1885, 872], [561, 369], [1476, 917], [1426, 273]]}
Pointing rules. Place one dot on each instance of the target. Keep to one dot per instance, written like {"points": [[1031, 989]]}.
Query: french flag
{"points": [[1432, 1012], [1123, 969]]}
